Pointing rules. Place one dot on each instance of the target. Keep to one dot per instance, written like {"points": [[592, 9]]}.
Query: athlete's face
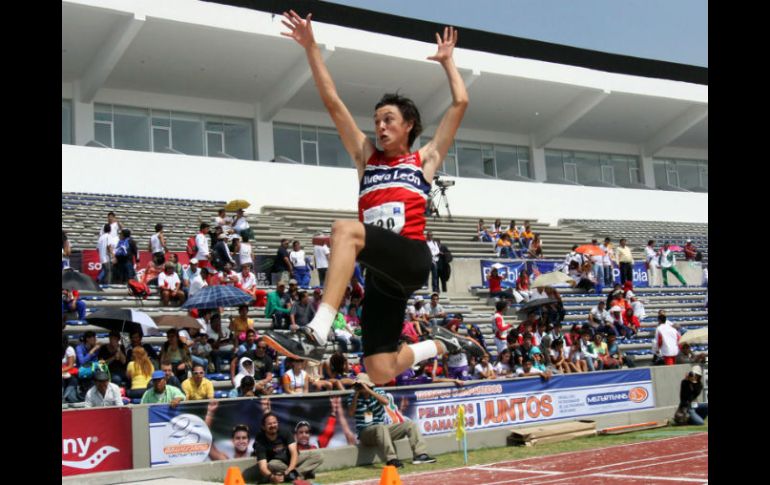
{"points": [[391, 128], [241, 441]]}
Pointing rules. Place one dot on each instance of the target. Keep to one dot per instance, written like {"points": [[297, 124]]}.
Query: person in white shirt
{"points": [[106, 247], [599, 316], [298, 261], [598, 262], [434, 251], [103, 393], [188, 274], [484, 370], [608, 260], [157, 245], [435, 311], [321, 253], [240, 224], [115, 225], [227, 276], [667, 265], [638, 307], [537, 293], [651, 261], [169, 285], [247, 281], [198, 281], [665, 344], [224, 221], [244, 254], [202, 240]]}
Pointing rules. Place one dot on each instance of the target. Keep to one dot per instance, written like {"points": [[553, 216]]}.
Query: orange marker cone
{"points": [[234, 476], [390, 476]]}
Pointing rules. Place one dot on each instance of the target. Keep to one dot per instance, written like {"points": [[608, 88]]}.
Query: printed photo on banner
{"points": [[509, 271]]}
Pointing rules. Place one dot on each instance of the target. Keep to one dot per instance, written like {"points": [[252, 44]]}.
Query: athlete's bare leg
{"points": [[381, 368], [348, 238]]}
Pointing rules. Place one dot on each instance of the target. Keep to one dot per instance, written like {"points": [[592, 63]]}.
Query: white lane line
{"points": [[517, 470], [648, 477]]}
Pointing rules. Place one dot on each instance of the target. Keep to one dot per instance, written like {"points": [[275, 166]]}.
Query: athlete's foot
{"points": [[301, 346], [454, 342]]}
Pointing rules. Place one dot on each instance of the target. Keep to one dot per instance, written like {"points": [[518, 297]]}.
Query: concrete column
{"points": [[263, 137], [82, 117], [648, 172], [537, 158]]}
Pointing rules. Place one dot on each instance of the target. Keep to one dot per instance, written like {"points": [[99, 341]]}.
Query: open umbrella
{"points": [[218, 296], [122, 320], [590, 250], [535, 305], [178, 321], [75, 280], [550, 279], [236, 204], [698, 336], [674, 247]]}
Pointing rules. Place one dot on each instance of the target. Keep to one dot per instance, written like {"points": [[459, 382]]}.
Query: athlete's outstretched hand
{"points": [[300, 28], [445, 45]]}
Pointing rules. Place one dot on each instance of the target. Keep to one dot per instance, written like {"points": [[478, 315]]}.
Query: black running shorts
{"points": [[395, 268]]}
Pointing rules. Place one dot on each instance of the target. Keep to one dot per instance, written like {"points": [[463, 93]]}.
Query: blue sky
{"points": [[669, 30]]}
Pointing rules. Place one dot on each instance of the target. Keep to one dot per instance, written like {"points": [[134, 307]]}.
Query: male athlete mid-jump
{"points": [[388, 239]]}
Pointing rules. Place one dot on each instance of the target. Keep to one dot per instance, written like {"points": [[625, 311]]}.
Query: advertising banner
{"points": [[509, 270], [96, 440]]}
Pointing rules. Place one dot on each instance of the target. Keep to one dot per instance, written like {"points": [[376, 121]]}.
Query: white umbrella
{"points": [[699, 336], [551, 279]]}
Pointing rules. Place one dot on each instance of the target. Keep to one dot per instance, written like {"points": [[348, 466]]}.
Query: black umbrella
{"points": [[122, 320], [535, 305], [75, 280]]}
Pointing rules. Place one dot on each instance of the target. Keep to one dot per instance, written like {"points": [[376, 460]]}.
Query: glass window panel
{"points": [[131, 129], [689, 175], [470, 161], [66, 122], [103, 133], [554, 166], [239, 140], [161, 138], [102, 112], [331, 151], [286, 140], [187, 134], [309, 133], [587, 167], [659, 169], [161, 118], [608, 175], [309, 152], [214, 125], [524, 163], [571, 171], [214, 144], [507, 162]]}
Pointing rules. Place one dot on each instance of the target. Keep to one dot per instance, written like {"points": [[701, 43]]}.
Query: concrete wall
{"points": [[89, 169], [665, 387]]}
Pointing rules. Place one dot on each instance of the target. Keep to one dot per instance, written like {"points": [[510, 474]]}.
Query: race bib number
{"points": [[389, 216], [368, 417]]}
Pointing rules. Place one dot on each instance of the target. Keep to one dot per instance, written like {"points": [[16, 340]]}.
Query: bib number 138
{"points": [[389, 216]]}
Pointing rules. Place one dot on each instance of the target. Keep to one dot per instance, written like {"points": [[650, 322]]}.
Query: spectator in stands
{"points": [[115, 225], [228, 276], [637, 305], [585, 277], [435, 250], [559, 358], [278, 307], [501, 327], [197, 277], [245, 252], [513, 233], [294, 380], [103, 393], [368, 406], [87, 350], [352, 319], [293, 292], [114, 355], [496, 229], [198, 388], [201, 349], [224, 221], [245, 369], [614, 351], [668, 265], [171, 379], [456, 365], [631, 321], [484, 370], [608, 260], [178, 268], [170, 285], [535, 247], [665, 344], [157, 246], [302, 312], [71, 302], [139, 372], [125, 255], [625, 262], [528, 369], [344, 335], [652, 260], [263, 367], [221, 254], [188, 275], [522, 286], [241, 224], [282, 266], [249, 344], [690, 251], [589, 353], [444, 264], [69, 372], [503, 365], [576, 357], [106, 248], [176, 353], [162, 393], [300, 265], [245, 389], [504, 246], [202, 241], [221, 341], [66, 250], [597, 261], [136, 342], [527, 236], [495, 285], [483, 233], [601, 349], [277, 456], [555, 311], [687, 356], [435, 312], [689, 391], [570, 257], [241, 324], [321, 254]]}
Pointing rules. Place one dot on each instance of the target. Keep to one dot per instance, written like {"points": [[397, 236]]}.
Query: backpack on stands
{"points": [[138, 289], [192, 248]]}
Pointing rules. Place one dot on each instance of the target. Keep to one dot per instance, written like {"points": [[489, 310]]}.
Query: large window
{"points": [[310, 145], [66, 121], [590, 168], [487, 160], [685, 174], [159, 130]]}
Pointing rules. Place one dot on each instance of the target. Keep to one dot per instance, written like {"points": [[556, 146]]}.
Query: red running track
{"points": [[680, 460]]}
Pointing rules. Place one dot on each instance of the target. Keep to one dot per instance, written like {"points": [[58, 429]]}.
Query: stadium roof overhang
{"points": [[211, 51]]}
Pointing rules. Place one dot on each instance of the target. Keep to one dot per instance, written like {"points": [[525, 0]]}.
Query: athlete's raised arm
{"points": [[433, 153], [355, 141]]}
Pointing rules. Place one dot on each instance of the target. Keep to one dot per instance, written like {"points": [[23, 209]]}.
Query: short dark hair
{"points": [[267, 415], [110, 213], [240, 427], [204, 225], [500, 305], [408, 110], [158, 227], [107, 228], [126, 233], [88, 334]]}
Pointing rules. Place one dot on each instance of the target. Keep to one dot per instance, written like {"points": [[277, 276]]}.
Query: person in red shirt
{"points": [[501, 327], [690, 251], [495, 285]]}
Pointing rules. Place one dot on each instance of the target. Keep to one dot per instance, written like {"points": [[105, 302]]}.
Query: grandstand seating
{"points": [[83, 213]]}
